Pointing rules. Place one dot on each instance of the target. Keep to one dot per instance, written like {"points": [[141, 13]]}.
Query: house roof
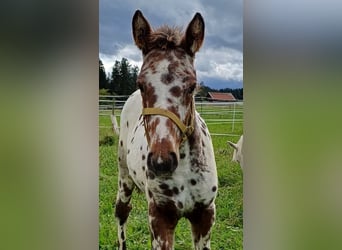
{"points": [[219, 96]]}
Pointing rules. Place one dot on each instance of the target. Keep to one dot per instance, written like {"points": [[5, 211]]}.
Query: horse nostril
{"points": [[173, 160], [149, 161], [162, 165]]}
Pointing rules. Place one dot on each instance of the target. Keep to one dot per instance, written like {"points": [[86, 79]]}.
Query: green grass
{"points": [[228, 229]]}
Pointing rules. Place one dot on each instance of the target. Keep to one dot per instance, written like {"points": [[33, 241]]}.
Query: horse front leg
{"points": [[202, 219], [163, 220], [122, 206]]}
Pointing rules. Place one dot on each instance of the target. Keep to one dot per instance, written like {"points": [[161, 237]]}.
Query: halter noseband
{"points": [[186, 130]]}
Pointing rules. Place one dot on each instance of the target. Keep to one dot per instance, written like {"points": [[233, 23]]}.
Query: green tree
{"points": [[133, 79], [123, 78], [103, 81], [203, 90], [115, 83]]}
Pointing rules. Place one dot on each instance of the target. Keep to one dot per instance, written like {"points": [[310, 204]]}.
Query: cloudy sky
{"points": [[219, 63]]}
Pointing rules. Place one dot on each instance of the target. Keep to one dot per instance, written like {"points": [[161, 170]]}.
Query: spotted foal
{"points": [[165, 148]]}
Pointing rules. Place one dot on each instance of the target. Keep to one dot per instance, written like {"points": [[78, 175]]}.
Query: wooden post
{"points": [[233, 117], [113, 119]]}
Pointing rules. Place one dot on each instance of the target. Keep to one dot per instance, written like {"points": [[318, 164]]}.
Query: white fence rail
{"points": [[223, 112]]}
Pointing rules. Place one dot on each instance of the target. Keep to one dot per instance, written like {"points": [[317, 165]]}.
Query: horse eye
{"points": [[192, 88], [141, 87]]}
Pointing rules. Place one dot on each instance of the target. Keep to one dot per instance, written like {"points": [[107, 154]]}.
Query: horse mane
{"points": [[165, 37]]}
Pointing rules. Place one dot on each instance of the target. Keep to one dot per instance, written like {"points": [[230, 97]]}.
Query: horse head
{"points": [[167, 82]]}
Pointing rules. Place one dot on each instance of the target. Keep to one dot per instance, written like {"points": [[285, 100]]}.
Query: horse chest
{"points": [[185, 191], [185, 188]]}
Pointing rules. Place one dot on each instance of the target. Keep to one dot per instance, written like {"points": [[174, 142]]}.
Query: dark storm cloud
{"points": [[221, 55]]}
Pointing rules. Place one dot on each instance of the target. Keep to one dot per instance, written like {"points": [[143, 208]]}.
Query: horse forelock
{"points": [[165, 37]]}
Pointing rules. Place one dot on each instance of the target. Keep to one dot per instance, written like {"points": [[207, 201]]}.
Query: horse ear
{"points": [[194, 35], [141, 29]]}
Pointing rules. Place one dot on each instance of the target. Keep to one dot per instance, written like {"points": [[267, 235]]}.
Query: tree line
{"points": [[122, 81], [203, 91]]}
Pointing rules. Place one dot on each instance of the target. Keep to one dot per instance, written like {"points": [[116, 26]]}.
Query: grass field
{"points": [[228, 229]]}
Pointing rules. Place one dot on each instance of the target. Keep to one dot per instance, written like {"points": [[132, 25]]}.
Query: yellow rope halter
{"points": [[186, 130]]}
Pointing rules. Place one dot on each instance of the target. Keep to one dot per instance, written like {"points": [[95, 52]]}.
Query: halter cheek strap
{"points": [[186, 130]]}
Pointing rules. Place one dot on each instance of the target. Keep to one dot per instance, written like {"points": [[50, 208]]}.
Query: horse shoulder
{"points": [[129, 116]]}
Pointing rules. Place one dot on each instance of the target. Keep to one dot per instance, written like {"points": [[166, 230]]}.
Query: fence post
{"points": [[113, 107], [233, 117], [113, 119]]}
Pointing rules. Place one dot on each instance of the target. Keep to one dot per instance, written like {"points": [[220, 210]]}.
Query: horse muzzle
{"points": [[162, 164]]}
